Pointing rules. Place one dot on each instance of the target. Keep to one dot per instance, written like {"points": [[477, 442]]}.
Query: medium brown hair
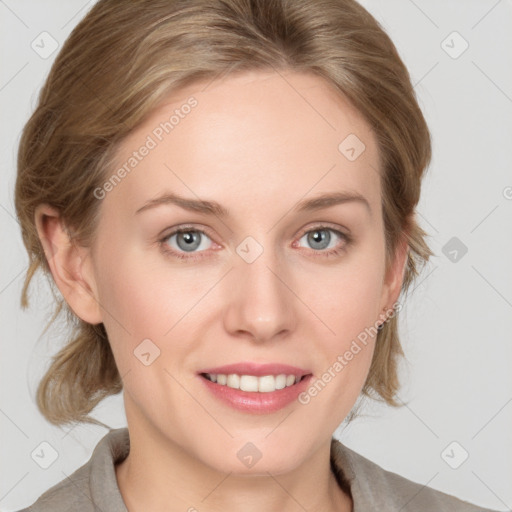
{"points": [[123, 58]]}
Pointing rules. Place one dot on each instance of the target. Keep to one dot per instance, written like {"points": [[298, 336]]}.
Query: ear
{"points": [[394, 276], [69, 264]]}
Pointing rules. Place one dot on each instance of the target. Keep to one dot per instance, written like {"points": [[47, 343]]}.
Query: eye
{"points": [[186, 240], [320, 238]]}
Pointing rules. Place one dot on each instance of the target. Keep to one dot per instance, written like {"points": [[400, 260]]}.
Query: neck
{"points": [[160, 475]]}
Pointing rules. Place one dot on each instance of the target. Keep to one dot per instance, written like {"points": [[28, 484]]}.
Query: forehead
{"points": [[254, 136]]}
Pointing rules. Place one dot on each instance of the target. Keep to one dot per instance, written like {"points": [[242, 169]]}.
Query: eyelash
{"points": [[193, 257]]}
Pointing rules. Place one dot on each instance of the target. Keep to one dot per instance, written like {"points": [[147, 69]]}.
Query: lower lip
{"points": [[256, 402]]}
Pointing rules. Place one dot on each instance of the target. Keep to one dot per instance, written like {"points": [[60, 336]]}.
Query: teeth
{"points": [[246, 383], [233, 381], [280, 381], [265, 384]]}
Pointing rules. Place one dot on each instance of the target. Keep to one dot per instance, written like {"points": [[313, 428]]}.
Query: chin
{"points": [[244, 457]]}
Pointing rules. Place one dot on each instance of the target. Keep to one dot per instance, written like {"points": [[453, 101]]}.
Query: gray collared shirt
{"points": [[93, 487]]}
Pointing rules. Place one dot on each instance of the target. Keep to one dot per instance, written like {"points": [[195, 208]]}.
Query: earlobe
{"points": [[66, 260]]}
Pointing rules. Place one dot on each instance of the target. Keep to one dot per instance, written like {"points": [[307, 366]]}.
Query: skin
{"points": [[258, 143]]}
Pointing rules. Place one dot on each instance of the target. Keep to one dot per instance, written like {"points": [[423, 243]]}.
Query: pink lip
{"points": [[256, 402], [259, 370]]}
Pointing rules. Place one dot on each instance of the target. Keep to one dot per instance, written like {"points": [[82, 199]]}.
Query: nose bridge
{"points": [[260, 301], [255, 265]]}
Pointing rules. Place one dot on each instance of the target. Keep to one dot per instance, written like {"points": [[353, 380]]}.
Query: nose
{"points": [[261, 305]]}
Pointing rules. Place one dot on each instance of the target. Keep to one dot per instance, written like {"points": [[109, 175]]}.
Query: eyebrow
{"points": [[214, 208]]}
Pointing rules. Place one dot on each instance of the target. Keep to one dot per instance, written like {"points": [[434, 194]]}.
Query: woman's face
{"points": [[265, 281]]}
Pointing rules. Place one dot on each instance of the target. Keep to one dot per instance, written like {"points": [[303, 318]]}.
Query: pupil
{"points": [[191, 240], [319, 236]]}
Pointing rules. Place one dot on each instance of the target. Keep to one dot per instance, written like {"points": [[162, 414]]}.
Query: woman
{"points": [[224, 194]]}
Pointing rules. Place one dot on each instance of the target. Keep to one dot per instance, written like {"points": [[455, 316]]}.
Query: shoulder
{"points": [[93, 486], [374, 487], [69, 494]]}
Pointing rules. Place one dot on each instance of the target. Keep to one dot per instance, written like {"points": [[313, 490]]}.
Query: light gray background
{"points": [[456, 326]]}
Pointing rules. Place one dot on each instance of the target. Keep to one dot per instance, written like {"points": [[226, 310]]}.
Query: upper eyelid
{"points": [[185, 228]]}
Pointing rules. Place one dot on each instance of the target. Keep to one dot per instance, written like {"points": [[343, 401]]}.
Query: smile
{"points": [[254, 387]]}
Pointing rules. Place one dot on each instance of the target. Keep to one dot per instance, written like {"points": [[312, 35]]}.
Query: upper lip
{"points": [[257, 369]]}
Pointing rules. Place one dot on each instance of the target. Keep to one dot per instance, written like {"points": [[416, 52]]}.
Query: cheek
{"points": [[140, 307], [143, 297], [348, 307], [129, 297], [347, 296], [347, 300]]}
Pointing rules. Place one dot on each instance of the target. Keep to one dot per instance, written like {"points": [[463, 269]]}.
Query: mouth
{"points": [[254, 387]]}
